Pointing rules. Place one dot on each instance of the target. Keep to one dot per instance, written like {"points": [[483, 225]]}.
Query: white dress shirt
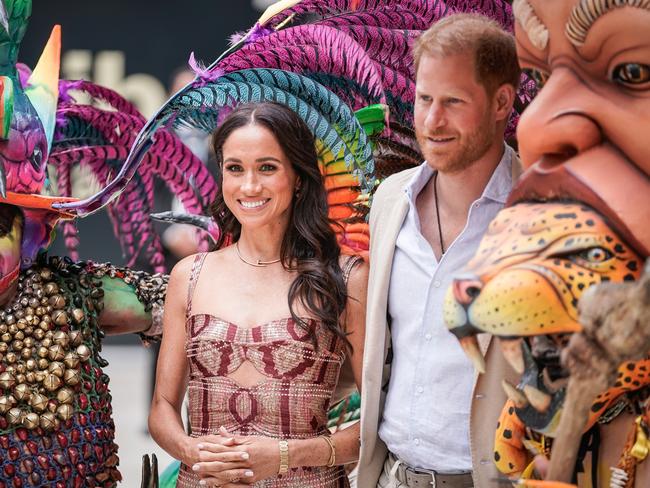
{"points": [[425, 421]]}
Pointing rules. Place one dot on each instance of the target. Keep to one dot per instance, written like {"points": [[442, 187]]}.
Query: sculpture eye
{"points": [[596, 255], [36, 158], [631, 74], [538, 76]]}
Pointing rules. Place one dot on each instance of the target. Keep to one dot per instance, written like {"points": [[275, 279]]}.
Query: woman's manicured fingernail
{"points": [[244, 455], [248, 474], [195, 467], [199, 446]]}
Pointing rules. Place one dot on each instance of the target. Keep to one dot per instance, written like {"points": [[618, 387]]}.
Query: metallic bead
{"points": [[7, 380], [40, 311], [11, 357], [30, 377], [29, 342], [56, 368], [49, 335], [56, 352], [28, 311], [10, 319], [84, 352], [71, 360], [10, 369], [20, 378], [44, 325], [76, 337], [24, 301], [20, 335], [72, 377], [47, 342], [29, 330], [17, 345], [65, 395], [14, 416], [40, 375], [38, 402], [43, 363], [39, 333], [48, 421], [46, 275], [65, 412], [78, 315], [6, 403], [6, 337], [42, 352], [30, 364], [60, 317], [20, 314], [61, 338], [4, 347], [30, 421], [51, 382], [46, 318], [39, 293], [13, 328], [34, 302], [57, 302], [3, 328], [30, 319], [20, 368], [22, 392], [26, 352]]}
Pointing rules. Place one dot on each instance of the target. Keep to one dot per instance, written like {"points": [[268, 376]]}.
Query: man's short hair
{"points": [[495, 55]]}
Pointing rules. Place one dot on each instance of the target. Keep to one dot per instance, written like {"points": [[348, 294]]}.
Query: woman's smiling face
{"points": [[259, 181]]}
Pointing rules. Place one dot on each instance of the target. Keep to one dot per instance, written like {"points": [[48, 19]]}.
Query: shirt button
{"points": [[428, 337], [420, 389], [436, 284], [416, 442]]}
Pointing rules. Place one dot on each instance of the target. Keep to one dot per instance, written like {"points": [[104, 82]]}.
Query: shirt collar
{"points": [[497, 189]]}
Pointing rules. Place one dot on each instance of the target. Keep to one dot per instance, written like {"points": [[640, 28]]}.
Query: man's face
{"points": [[596, 73], [454, 118]]}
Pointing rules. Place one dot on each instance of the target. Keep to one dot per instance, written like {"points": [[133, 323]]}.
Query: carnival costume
{"points": [[571, 224], [56, 426]]}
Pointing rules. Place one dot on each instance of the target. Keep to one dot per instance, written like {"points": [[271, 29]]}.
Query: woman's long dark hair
{"points": [[309, 244]]}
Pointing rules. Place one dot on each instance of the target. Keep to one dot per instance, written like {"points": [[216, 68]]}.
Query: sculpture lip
{"points": [[38, 202]]}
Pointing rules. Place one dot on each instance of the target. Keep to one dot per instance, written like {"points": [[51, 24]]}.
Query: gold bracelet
{"points": [[331, 462], [284, 457]]}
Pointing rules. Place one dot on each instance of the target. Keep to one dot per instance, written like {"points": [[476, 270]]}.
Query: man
{"points": [[420, 424]]}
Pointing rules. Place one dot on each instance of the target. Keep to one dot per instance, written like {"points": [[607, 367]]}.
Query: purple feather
{"points": [[203, 74], [257, 32]]}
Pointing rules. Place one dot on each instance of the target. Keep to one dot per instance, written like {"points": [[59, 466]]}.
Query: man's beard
{"points": [[472, 147]]}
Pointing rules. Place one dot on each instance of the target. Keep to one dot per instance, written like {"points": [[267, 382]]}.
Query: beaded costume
{"points": [[291, 404]]}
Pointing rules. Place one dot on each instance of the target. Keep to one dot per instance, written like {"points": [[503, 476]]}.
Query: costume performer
{"points": [[576, 220], [56, 427]]}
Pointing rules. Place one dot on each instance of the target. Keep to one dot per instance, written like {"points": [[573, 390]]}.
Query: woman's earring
{"points": [[297, 191]]}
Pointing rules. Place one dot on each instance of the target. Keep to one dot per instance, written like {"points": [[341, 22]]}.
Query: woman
{"points": [[269, 320]]}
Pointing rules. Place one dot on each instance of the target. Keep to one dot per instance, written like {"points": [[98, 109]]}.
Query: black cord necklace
{"points": [[435, 198]]}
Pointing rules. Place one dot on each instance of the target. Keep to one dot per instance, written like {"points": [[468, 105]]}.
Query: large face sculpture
{"points": [[523, 285], [586, 131]]}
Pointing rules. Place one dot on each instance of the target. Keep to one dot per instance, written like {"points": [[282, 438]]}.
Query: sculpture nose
{"points": [[466, 290]]}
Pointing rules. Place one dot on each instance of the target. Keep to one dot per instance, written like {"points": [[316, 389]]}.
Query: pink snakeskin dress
{"points": [[293, 401]]}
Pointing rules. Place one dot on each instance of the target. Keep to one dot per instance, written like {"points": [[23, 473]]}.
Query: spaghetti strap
{"points": [[349, 264], [199, 259]]}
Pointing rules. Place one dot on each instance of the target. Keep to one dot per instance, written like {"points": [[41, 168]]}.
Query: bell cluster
{"points": [[40, 353]]}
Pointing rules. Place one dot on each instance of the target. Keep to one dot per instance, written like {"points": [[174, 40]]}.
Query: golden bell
{"points": [[22, 392], [51, 289], [19, 335], [43, 363], [47, 342], [6, 337], [76, 337], [78, 315], [48, 421], [38, 402], [26, 353], [4, 347], [65, 411], [30, 377], [12, 329], [39, 334], [6, 404], [56, 352], [31, 420], [3, 328], [7, 380], [20, 368], [11, 358], [39, 311], [34, 302], [65, 395], [20, 378], [84, 352], [71, 360], [29, 342], [14, 416], [10, 319], [51, 382], [61, 338], [46, 275], [60, 317], [17, 345], [42, 352], [72, 377], [57, 302], [56, 368]]}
